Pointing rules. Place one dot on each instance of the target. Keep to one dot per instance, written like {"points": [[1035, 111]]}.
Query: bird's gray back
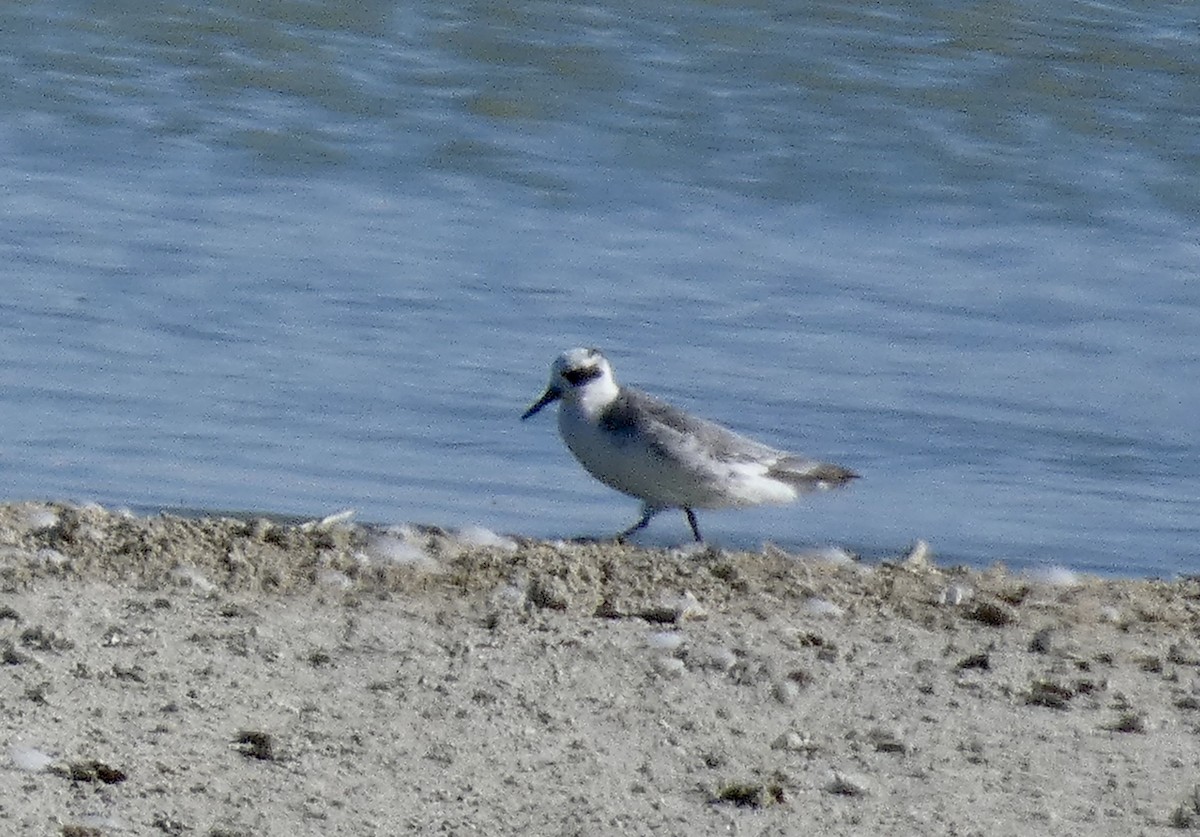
{"points": [[637, 415]]}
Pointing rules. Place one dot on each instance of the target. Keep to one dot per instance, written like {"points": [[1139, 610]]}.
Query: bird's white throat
{"points": [[593, 397]]}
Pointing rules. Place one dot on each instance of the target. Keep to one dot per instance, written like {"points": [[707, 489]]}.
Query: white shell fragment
{"points": [[29, 758], [688, 606], [1054, 576], [481, 536], [955, 594], [919, 558], [665, 641], [822, 607], [326, 523]]}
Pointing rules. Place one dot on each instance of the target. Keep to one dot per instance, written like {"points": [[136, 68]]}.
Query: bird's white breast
{"points": [[633, 465]]}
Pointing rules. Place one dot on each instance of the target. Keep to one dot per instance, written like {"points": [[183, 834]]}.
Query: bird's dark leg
{"points": [[691, 516], [647, 513]]}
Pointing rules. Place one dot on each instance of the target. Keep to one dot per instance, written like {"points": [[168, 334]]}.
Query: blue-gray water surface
{"points": [[297, 257]]}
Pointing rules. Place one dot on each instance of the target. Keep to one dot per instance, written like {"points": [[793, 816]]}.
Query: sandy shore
{"points": [[225, 677]]}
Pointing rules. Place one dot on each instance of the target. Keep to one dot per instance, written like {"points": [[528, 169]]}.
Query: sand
{"points": [[166, 675]]}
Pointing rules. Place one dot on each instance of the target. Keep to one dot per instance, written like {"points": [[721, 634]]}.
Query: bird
{"points": [[663, 456]]}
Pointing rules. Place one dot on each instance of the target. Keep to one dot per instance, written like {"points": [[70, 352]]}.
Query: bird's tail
{"points": [[810, 475]]}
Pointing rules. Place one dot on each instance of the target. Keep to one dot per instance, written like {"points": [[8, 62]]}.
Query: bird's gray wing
{"points": [[670, 431], [699, 445]]}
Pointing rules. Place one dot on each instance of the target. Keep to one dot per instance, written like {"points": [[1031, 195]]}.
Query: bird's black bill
{"points": [[548, 397]]}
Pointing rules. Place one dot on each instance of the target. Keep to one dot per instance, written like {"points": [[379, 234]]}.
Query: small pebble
{"points": [[668, 667], [548, 592], [979, 661], [992, 613], [786, 692], [333, 578], [750, 794], [713, 658], [792, 742], [256, 745], [192, 577], [1050, 694], [886, 741], [688, 606], [1042, 641], [846, 785], [1134, 722], [665, 640], [1183, 653]]}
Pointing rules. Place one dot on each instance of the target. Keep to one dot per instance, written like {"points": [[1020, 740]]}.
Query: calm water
{"points": [[292, 257]]}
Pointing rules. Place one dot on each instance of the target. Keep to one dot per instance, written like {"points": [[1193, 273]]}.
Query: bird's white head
{"points": [[580, 376]]}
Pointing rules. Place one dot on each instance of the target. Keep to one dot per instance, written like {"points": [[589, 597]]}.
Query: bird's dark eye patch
{"points": [[575, 377]]}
